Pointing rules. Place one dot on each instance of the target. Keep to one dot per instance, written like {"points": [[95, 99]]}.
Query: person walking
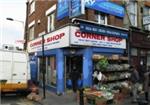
{"points": [[135, 83], [146, 83], [75, 75]]}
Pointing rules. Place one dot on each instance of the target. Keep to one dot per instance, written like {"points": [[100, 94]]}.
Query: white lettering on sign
{"points": [[146, 20], [91, 39]]}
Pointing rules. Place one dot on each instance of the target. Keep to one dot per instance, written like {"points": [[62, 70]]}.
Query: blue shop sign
{"points": [[106, 7], [103, 30], [75, 8], [62, 9]]}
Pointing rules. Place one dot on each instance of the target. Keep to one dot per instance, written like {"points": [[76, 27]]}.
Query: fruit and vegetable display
{"points": [[116, 73], [102, 64]]}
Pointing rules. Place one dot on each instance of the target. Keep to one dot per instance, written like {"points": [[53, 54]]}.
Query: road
{"points": [[15, 99]]}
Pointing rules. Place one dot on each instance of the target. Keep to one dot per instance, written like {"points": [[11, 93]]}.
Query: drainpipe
{"points": [[26, 27], [130, 32]]}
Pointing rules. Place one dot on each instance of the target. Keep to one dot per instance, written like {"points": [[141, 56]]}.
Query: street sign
{"points": [[146, 20]]}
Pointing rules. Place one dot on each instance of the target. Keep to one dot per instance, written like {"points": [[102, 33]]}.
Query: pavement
{"points": [[70, 99], [54, 99]]}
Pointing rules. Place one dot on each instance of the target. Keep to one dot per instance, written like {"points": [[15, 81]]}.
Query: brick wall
{"points": [[42, 5]]}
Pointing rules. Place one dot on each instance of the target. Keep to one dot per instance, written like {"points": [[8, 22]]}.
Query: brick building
{"points": [[63, 50]]}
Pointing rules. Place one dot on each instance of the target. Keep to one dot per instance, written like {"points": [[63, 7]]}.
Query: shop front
{"points": [[74, 46], [140, 49]]}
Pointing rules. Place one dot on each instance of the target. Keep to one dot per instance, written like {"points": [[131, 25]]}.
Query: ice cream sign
{"points": [[53, 40], [91, 39]]}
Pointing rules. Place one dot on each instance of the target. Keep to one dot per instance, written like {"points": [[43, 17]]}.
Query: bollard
{"points": [[81, 100]]}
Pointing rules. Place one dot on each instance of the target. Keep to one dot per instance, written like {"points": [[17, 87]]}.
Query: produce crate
{"points": [[101, 101], [118, 98], [91, 99], [125, 91]]}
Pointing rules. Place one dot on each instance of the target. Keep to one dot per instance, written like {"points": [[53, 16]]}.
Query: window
{"points": [[146, 12], [51, 71], [148, 58], [134, 51], [32, 7], [51, 22], [101, 18], [132, 11], [31, 32]]}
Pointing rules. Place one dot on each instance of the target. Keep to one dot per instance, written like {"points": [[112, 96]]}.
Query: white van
{"points": [[14, 70]]}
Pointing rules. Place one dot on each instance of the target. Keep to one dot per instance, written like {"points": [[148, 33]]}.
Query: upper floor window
{"points": [[101, 18], [31, 32], [132, 12], [32, 7], [51, 22], [146, 12]]}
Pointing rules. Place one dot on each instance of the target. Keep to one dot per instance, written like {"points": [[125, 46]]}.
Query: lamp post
{"points": [[22, 22], [43, 67]]}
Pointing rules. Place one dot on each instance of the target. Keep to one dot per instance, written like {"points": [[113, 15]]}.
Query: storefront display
{"points": [[115, 69], [70, 46]]}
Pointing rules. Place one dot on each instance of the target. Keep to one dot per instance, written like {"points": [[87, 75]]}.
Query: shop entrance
{"points": [[71, 63]]}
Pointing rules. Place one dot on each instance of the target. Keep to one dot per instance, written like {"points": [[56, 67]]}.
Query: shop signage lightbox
{"points": [[89, 28], [56, 39], [90, 39], [62, 9], [76, 8], [106, 7]]}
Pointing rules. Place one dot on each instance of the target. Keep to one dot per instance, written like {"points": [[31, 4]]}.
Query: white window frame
{"points": [[99, 16], [31, 25], [31, 32], [50, 13], [132, 11], [51, 22], [32, 6], [146, 27]]}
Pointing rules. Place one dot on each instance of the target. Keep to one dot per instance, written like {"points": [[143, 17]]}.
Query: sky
{"points": [[11, 31]]}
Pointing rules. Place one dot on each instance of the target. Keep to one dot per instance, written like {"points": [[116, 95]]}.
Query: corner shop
{"points": [[73, 46]]}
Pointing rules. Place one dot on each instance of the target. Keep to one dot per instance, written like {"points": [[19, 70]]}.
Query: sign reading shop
{"points": [[103, 30], [71, 35], [56, 39], [98, 40]]}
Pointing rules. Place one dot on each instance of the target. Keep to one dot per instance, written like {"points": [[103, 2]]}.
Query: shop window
{"points": [[132, 12], [51, 71], [101, 18], [32, 7], [146, 12], [31, 32], [143, 53], [133, 51], [51, 22], [148, 60]]}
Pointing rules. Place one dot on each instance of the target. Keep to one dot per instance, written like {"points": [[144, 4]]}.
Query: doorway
{"points": [[71, 62]]}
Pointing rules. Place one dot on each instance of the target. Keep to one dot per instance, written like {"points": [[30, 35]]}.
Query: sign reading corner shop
{"points": [[103, 30], [72, 35], [56, 39], [98, 40]]}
